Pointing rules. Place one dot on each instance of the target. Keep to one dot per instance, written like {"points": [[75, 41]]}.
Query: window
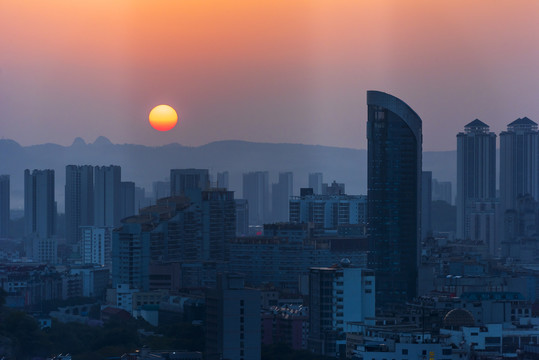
{"points": [[404, 351]]}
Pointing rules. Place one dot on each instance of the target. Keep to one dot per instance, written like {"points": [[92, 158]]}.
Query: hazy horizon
{"points": [[267, 71]]}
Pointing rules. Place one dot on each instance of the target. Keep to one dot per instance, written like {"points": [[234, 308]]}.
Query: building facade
{"points": [[338, 295], [107, 195], [394, 195], [476, 171], [79, 200], [4, 206], [256, 192], [39, 204]]}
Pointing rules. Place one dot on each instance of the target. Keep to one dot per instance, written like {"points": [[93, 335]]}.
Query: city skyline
{"points": [[269, 71]]}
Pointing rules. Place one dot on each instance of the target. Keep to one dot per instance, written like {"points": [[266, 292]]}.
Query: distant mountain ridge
{"points": [[145, 164]]}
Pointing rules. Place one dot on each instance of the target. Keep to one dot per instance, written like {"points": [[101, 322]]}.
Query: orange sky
{"points": [[275, 71]]}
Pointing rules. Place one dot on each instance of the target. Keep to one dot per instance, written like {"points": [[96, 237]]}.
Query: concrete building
{"points": [[476, 173], [107, 195], [280, 195], [222, 180], [442, 190], [256, 192], [519, 162], [160, 189], [96, 245], [426, 201], [232, 320], [242, 217], [285, 253], [394, 195], [315, 182], [79, 200], [39, 204], [183, 180], [127, 199], [4, 206], [338, 295], [329, 211]]}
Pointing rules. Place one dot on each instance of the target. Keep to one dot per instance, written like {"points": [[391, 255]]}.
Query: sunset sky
{"points": [[262, 70]]}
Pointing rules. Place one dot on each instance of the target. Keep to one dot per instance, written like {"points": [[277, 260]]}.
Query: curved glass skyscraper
{"points": [[394, 196]]}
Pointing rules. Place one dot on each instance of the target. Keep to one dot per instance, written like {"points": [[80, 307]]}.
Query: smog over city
{"points": [[258, 180]]}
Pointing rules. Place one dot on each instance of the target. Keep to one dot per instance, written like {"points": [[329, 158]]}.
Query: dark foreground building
{"points": [[394, 196]]}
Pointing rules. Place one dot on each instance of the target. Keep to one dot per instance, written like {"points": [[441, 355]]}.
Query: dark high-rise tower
{"points": [[394, 195], [39, 205], [107, 181], [476, 182], [79, 200], [519, 162], [4, 206]]}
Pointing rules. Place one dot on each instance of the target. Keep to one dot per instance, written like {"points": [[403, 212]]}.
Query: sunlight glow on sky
{"points": [[265, 70]]}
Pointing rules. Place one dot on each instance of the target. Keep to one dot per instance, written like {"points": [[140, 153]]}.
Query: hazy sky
{"points": [[265, 70]]}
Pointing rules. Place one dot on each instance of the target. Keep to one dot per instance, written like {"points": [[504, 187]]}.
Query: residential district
{"points": [[405, 272]]}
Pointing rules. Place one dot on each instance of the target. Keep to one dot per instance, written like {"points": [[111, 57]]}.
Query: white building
{"points": [[96, 245], [338, 295]]}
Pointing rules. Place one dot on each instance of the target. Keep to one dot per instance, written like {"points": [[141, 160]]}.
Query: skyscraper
{"points": [[222, 180], [39, 205], [107, 195], [394, 195], [127, 199], [256, 192], [476, 176], [79, 200], [519, 162], [280, 196], [426, 200], [232, 320], [182, 180], [4, 206], [315, 182]]}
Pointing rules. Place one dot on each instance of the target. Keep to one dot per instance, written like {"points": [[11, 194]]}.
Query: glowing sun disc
{"points": [[163, 117]]}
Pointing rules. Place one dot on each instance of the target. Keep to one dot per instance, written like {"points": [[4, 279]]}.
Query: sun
{"points": [[163, 117]]}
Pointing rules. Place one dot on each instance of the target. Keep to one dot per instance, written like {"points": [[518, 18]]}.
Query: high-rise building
{"points": [[182, 180], [442, 190], [96, 245], [338, 295], [4, 206], [39, 204], [394, 196], [280, 196], [426, 200], [329, 212], [242, 217], [315, 182], [334, 188], [218, 223], [161, 189], [256, 192], [127, 199], [107, 195], [79, 200], [519, 162], [232, 320], [476, 174], [222, 180]]}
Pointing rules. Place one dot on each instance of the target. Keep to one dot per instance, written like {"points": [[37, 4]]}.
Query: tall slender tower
{"points": [[79, 200], [4, 206], [476, 182], [256, 192], [39, 205], [280, 196], [107, 195], [394, 196], [519, 162]]}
